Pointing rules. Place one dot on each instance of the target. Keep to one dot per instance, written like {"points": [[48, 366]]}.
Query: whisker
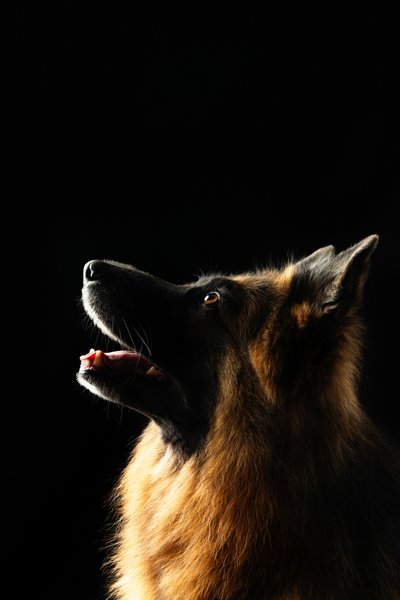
{"points": [[121, 412], [150, 336], [97, 336], [148, 344], [129, 333], [86, 322], [144, 343], [139, 336]]}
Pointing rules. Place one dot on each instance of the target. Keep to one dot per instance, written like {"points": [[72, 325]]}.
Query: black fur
{"points": [[329, 479]]}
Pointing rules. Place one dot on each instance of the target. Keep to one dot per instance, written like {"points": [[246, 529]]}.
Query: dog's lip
{"points": [[119, 360]]}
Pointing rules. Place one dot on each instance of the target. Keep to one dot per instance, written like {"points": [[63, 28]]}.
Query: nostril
{"points": [[93, 270]]}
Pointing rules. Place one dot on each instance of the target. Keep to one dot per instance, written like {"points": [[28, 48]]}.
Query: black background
{"points": [[182, 143]]}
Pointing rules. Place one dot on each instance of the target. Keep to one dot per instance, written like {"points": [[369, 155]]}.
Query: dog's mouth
{"points": [[123, 361], [124, 376], [150, 369]]}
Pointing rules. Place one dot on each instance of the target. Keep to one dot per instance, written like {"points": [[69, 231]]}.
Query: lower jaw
{"points": [[146, 394]]}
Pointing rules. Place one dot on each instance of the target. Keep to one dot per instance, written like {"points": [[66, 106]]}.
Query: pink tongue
{"points": [[120, 359], [123, 359]]}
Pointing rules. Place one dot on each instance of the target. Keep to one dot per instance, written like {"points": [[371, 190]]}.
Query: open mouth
{"points": [[123, 376], [126, 377], [127, 361]]}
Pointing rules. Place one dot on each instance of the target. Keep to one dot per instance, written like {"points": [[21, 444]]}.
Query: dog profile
{"points": [[259, 475]]}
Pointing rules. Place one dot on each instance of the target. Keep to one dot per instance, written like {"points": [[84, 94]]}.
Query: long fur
{"points": [[295, 494]]}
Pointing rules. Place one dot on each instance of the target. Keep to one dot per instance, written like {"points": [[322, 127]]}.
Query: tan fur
{"points": [[188, 527], [180, 524], [261, 356], [340, 389], [301, 313], [283, 278]]}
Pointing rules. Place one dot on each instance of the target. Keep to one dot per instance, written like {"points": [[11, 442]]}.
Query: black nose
{"points": [[93, 270]]}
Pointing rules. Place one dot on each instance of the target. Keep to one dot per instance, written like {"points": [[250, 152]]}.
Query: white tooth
{"points": [[153, 372], [98, 360]]}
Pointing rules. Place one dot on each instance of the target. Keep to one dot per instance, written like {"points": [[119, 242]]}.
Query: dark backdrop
{"points": [[182, 144]]}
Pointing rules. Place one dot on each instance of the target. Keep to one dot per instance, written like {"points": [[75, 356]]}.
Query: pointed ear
{"points": [[325, 281], [349, 272], [320, 255]]}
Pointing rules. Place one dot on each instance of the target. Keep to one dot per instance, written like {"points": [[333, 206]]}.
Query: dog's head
{"points": [[276, 326]]}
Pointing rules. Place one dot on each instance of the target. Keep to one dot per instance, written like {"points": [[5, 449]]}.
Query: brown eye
{"points": [[211, 298]]}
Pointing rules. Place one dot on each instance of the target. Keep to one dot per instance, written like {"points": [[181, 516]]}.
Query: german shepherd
{"points": [[259, 476]]}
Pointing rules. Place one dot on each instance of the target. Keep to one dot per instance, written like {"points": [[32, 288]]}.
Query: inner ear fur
{"points": [[325, 282]]}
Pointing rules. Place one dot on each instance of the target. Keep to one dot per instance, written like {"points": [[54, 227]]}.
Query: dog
{"points": [[259, 475]]}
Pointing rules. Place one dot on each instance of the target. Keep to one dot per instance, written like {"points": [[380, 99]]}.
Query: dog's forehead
{"points": [[278, 280], [209, 279], [274, 282], [232, 281]]}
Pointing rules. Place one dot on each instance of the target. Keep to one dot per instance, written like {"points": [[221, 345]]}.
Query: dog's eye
{"points": [[212, 298]]}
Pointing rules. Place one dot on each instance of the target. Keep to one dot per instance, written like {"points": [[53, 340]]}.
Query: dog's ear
{"points": [[328, 281], [350, 272], [320, 256]]}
